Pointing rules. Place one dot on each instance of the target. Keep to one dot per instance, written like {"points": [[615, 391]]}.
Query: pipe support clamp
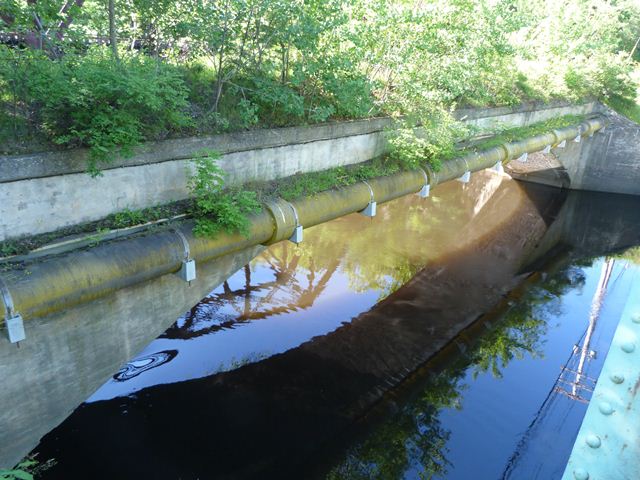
{"points": [[370, 209], [426, 189], [466, 176], [13, 320], [188, 268], [296, 236]]}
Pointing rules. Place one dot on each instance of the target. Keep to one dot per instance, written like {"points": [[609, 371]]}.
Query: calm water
{"points": [[335, 358]]}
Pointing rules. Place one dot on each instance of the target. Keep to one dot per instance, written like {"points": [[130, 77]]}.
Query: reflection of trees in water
{"points": [[409, 233], [400, 245], [300, 273], [380, 254], [284, 292], [412, 440]]}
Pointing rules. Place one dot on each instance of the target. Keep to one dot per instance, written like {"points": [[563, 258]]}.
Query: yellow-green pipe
{"points": [[57, 283]]}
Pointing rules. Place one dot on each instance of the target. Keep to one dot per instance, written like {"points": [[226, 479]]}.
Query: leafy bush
{"points": [[90, 100], [433, 141], [217, 209], [238, 65], [27, 469]]}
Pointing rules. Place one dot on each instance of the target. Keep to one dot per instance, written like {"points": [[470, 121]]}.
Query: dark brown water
{"points": [[421, 343]]}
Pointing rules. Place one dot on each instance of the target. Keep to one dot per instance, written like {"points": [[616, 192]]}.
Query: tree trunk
{"points": [[68, 19], [112, 29]]}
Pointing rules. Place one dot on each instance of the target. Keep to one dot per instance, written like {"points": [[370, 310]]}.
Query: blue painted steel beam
{"points": [[608, 444]]}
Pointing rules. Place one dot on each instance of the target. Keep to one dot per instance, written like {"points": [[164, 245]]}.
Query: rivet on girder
{"points": [[370, 209], [593, 441], [580, 474], [628, 347], [617, 378], [605, 408]]}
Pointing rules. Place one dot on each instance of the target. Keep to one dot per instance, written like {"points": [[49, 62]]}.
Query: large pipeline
{"points": [[56, 283]]}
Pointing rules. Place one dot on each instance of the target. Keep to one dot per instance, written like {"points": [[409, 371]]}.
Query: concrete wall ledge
{"points": [[63, 162], [44, 192]]}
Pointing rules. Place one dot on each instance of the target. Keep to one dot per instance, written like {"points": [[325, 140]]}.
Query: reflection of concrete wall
{"points": [[591, 224], [43, 192], [600, 223], [69, 355]]}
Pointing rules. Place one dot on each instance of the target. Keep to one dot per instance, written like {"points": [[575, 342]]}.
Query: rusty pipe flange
{"points": [[284, 218]]}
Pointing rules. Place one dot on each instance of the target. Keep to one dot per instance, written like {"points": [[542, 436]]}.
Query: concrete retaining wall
{"points": [[84, 345], [610, 161], [44, 192]]}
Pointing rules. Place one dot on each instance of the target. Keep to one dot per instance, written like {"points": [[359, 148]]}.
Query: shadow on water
{"points": [[473, 410], [278, 372]]}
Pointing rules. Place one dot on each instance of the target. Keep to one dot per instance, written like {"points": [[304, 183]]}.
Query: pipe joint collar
{"points": [[285, 219]]}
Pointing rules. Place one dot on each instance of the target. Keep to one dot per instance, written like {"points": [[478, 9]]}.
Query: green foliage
{"points": [[572, 49], [195, 67], [217, 209], [9, 248], [88, 100], [311, 183], [626, 107], [129, 218], [18, 473], [433, 141], [97, 237], [25, 470], [631, 255]]}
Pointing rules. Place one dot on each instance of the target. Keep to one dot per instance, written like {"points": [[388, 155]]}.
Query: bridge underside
{"points": [[540, 168], [609, 161]]}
